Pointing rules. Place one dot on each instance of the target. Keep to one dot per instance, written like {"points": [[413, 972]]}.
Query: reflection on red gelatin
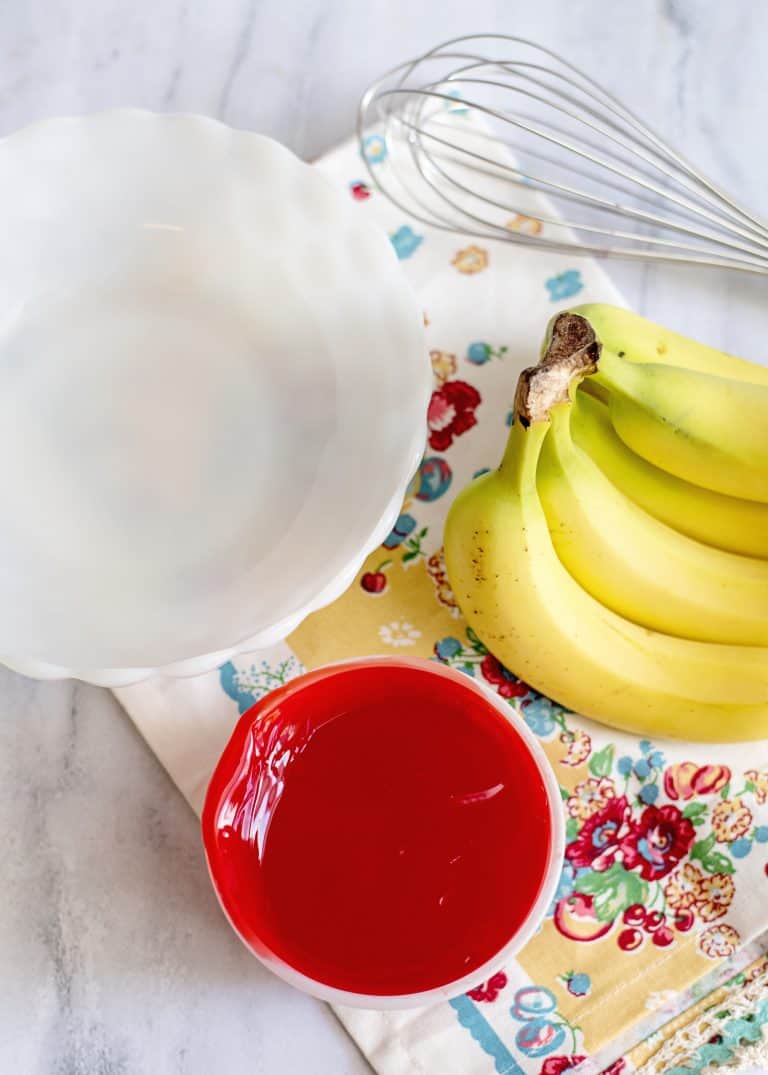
{"points": [[379, 826]]}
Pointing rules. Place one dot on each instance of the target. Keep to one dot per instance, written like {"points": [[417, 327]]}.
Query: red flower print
{"points": [[498, 676], [616, 1067], [711, 778], [600, 836], [657, 842], [556, 1065], [359, 190], [451, 412], [678, 780], [489, 990], [686, 779]]}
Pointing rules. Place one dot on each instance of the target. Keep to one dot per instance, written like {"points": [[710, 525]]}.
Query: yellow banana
{"points": [[638, 566], [710, 430], [726, 522], [701, 427], [534, 616], [627, 334], [698, 413]]}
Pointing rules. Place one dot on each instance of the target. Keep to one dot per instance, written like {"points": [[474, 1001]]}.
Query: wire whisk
{"points": [[496, 137]]}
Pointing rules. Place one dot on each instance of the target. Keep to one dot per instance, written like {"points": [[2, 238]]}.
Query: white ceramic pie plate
{"points": [[213, 387]]}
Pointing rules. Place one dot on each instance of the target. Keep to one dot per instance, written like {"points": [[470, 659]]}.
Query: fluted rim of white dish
{"points": [[196, 666], [333, 587]]}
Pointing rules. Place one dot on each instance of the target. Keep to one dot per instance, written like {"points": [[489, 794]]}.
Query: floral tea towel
{"points": [[665, 884]]}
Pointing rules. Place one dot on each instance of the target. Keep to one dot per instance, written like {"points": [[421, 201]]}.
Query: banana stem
{"points": [[571, 354]]}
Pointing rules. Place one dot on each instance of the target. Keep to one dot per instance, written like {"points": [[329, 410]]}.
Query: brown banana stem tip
{"points": [[572, 353]]}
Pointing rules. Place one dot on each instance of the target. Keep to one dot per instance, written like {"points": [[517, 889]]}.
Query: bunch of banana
{"points": [[617, 560]]}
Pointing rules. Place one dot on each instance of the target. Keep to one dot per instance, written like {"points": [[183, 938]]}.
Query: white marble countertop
{"points": [[114, 958]]}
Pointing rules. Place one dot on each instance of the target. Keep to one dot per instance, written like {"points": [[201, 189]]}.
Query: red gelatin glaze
{"points": [[380, 827]]}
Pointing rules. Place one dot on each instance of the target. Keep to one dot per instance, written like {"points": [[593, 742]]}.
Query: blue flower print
{"points": [[740, 848], [642, 769], [544, 1029], [761, 834], [405, 241], [478, 353], [532, 1001], [405, 525], [538, 715], [649, 794], [247, 683], [624, 765], [229, 680], [433, 479], [447, 648], [375, 149], [538, 1037], [579, 984], [564, 285]]}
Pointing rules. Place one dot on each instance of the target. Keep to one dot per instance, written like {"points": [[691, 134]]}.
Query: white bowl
{"points": [[213, 387]]}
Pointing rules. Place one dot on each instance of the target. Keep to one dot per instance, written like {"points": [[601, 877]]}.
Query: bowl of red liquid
{"points": [[383, 832]]}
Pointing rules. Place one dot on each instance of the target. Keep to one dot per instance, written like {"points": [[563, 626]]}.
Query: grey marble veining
{"points": [[114, 957]]}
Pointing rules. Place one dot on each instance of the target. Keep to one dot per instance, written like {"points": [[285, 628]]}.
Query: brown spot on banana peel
{"points": [[572, 353]]}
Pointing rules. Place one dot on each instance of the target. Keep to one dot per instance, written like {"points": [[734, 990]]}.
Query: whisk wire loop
{"points": [[497, 137]]}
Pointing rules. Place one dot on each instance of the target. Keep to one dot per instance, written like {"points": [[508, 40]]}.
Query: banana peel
{"points": [[542, 624]]}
